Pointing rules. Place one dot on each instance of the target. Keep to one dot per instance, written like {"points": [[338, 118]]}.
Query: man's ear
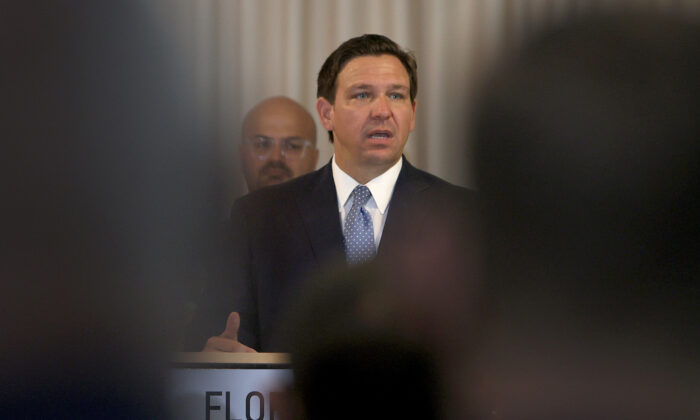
{"points": [[413, 115], [325, 113]]}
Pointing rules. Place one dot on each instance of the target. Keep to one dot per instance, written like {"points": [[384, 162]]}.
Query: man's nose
{"points": [[276, 152], [381, 109]]}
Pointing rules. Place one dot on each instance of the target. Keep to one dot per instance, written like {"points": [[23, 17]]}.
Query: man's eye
{"points": [[261, 143], [362, 95], [294, 146], [396, 96]]}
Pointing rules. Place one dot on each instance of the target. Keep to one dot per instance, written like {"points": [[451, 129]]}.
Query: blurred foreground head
{"points": [[349, 362], [106, 193], [589, 160]]}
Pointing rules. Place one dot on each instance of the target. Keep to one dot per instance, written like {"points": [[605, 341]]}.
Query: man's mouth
{"points": [[276, 171], [380, 134]]}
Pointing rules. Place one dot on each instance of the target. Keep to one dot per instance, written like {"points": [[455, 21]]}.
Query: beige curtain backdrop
{"points": [[252, 49]]}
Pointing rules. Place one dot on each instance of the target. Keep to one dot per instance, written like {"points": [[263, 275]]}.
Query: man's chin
{"points": [[381, 157], [273, 180]]}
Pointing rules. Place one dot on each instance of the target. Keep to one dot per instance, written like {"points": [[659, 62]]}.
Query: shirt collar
{"points": [[381, 187]]}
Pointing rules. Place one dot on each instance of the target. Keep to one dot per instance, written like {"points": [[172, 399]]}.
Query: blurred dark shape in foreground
{"points": [[107, 195], [389, 340], [588, 157], [349, 364]]}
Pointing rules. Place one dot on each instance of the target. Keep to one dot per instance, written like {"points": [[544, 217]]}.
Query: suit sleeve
{"points": [[212, 302], [244, 300]]}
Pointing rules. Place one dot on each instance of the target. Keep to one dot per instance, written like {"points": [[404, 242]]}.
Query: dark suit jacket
{"points": [[285, 232]]}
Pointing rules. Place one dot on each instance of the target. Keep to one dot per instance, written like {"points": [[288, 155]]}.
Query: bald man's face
{"points": [[279, 143]]}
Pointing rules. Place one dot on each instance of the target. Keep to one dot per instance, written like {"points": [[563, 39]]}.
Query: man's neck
{"points": [[363, 174]]}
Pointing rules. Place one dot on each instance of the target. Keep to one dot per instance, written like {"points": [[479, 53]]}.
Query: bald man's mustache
{"points": [[275, 165]]}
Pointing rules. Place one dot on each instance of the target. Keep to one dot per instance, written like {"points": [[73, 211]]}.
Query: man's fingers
{"points": [[247, 349], [226, 345], [233, 322], [228, 340]]}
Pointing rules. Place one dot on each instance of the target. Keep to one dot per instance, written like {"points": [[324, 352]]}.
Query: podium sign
{"points": [[228, 386]]}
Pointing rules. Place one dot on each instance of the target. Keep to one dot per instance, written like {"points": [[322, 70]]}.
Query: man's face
{"points": [[372, 115], [267, 129]]}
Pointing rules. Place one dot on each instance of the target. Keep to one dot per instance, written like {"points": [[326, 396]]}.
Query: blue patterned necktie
{"points": [[358, 232]]}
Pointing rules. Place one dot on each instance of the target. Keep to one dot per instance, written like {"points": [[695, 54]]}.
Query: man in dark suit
{"points": [[339, 213]]}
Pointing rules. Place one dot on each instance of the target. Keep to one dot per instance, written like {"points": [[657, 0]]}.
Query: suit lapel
{"points": [[318, 205], [317, 202], [409, 186]]}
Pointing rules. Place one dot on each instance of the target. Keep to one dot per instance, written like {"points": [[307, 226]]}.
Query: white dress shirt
{"points": [[381, 187]]}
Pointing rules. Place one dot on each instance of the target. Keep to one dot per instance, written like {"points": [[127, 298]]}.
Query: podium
{"points": [[228, 386]]}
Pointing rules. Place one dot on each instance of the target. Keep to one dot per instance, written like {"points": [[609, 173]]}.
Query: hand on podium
{"points": [[227, 341]]}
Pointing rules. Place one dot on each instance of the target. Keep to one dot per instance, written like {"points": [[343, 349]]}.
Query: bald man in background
{"points": [[278, 142]]}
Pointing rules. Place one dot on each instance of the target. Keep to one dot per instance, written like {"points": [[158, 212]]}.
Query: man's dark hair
{"points": [[368, 44]]}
